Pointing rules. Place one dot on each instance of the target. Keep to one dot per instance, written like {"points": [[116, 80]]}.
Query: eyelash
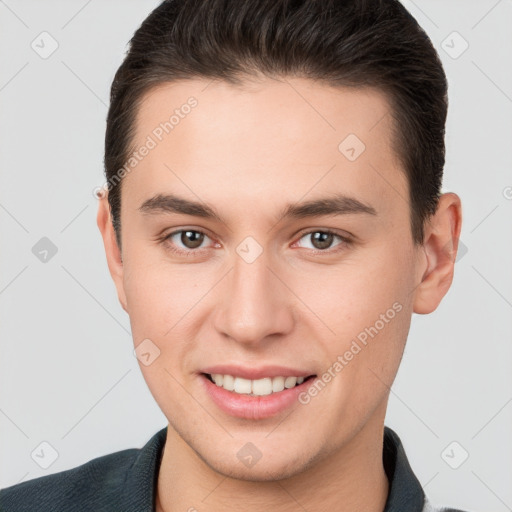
{"points": [[345, 241]]}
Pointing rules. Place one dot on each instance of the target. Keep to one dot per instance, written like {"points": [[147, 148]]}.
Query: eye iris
{"points": [[322, 240], [191, 239]]}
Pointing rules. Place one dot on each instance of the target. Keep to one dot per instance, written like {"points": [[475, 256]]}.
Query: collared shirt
{"points": [[126, 481]]}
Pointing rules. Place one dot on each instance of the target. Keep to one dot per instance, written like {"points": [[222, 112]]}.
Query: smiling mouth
{"points": [[259, 387]]}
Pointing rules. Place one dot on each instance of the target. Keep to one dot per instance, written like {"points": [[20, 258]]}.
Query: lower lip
{"points": [[253, 407]]}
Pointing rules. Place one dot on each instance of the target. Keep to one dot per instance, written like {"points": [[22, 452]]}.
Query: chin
{"points": [[264, 470], [261, 472]]}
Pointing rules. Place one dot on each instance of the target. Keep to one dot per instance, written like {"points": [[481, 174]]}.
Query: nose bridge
{"points": [[255, 302]]}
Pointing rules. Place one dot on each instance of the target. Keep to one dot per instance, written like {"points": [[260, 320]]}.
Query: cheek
{"points": [[158, 295], [166, 306], [160, 298], [365, 308], [351, 295]]}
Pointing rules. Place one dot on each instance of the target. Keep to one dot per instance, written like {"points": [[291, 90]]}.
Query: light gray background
{"points": [[68, 375]]}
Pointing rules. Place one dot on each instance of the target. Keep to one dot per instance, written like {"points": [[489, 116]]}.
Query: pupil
{"points": [[191, 239], [322, 240]]}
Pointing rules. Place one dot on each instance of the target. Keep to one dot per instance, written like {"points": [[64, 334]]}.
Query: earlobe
{"points": [[112, 251], [440, 247]]}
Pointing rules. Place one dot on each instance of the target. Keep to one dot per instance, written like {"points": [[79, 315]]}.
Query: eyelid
{"points": [[346, 239], [342, 234], [178, 229]]}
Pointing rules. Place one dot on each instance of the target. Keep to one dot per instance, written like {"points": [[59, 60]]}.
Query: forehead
{"points": [[282, 138]]}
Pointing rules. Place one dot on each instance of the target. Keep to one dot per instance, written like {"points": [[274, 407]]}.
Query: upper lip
{"points": [[256, 373]]}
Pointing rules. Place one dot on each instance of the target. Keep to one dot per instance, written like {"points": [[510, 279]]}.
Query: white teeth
{"points": [[290, 382], [262, 387], [228, 382], [242, 385], [259, 387], [277, 384]]}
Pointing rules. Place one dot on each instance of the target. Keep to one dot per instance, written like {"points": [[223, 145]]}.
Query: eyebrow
{"points": [[335, 205]]}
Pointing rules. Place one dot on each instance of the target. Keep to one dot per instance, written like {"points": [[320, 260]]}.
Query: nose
{"points": [[255, 304]]}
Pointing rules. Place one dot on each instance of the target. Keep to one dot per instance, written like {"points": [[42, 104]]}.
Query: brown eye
{"points": [[321, 240], [184, 241], [191, 239]]}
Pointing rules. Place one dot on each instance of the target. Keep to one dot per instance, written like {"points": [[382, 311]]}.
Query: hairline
{"points": [[250, 76]]}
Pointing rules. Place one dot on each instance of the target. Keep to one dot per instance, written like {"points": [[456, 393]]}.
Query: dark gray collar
{"points": [[405, 491]]}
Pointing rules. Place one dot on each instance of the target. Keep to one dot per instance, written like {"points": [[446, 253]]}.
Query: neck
{"points": [[351, 478]]}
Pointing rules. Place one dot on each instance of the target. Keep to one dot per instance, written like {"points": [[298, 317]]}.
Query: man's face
{"points": [[256, 289]]}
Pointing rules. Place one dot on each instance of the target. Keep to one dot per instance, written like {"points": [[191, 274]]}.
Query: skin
{"points": [[247, 152]]}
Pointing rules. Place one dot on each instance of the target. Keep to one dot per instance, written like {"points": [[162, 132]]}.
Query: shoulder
{"points": [[120, 481], [92, 483]]}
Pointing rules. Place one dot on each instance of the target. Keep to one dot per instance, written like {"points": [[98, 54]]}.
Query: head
{"points": [[299, 148]]}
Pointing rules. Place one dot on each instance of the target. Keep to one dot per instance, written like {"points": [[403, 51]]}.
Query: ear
{"points": [[440, 246], [112, 251]]}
